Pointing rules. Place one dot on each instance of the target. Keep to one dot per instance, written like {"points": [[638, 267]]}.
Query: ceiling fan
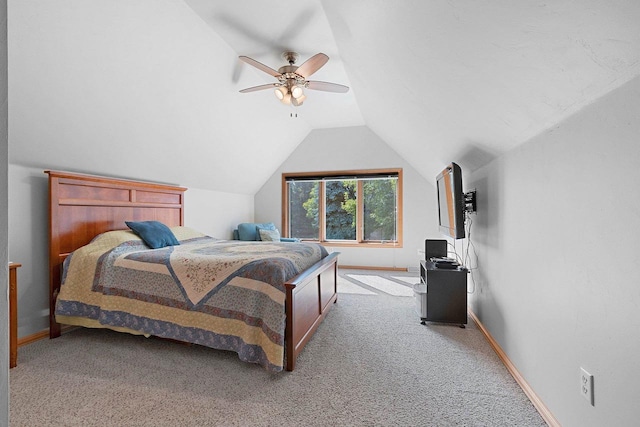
{"points": [[292, 80]]}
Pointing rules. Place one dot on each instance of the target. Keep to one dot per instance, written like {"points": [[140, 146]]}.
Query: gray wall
{"points": [[558, 281], [4, 288], [359, 148]]}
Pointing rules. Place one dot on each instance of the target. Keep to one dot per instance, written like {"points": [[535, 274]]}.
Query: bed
{"points": [[86, 210]]}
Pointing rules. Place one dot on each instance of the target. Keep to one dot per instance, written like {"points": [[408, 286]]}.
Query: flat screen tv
{"points": [[451, 204]]}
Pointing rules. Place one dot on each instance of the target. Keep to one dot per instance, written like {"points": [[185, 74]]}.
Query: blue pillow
{"points": [[249, 230], [155, 234]]}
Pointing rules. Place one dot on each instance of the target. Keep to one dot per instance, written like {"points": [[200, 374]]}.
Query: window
{"points": [[344, 208]]}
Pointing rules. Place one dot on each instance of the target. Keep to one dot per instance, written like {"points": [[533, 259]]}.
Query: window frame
{"points": [[364, 173]]}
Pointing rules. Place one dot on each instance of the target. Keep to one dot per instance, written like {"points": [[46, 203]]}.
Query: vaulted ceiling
{"points": [[443, 80], [438, 80]]}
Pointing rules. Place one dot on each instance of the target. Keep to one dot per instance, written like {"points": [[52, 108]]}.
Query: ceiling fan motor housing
{"points": [[290, 57], [288, 69], [290, 79]]}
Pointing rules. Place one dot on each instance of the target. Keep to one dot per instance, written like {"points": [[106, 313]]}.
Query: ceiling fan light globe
{"points": [[298, 101], [280, 93], [286, 99], [297, 92]]}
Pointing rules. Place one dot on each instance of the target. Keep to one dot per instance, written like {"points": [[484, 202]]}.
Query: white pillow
{"points": [[269, 235]]}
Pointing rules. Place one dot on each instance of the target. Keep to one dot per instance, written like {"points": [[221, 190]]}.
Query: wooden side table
{"points": [[13, 314]]}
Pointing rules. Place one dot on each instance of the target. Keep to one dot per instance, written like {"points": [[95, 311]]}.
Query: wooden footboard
{"points": [[309, 298]]}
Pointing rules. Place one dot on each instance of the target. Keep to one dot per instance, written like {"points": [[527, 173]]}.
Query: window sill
{"points": [[335, 244]]}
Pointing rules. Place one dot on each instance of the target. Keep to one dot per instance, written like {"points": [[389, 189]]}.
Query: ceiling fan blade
{"points": [[312, 65], [327, 87], [261, 87], [260, 66]]}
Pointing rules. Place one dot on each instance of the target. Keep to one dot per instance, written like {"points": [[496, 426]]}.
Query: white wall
{"points": [[140, 89], [359, 148], [558, 281], [104, 88], [214, 213]]}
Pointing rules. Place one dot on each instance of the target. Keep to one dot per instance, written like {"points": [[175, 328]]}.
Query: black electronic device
{"points": [[442, 259], [451, 202], [446, 265], [435, 249], [470, 204]]}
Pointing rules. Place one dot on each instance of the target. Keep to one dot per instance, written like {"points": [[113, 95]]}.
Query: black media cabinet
{"points": [[441, 295]]}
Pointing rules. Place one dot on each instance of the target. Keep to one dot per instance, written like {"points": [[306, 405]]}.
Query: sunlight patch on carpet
{"points": [[348, 287], [385, 285], [409, 280]]}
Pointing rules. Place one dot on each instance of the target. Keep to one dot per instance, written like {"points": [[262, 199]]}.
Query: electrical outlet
{"points": [[586, 385]]}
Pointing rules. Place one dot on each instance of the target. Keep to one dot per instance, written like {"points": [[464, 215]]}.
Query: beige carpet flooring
{"points": [[371, 363]]}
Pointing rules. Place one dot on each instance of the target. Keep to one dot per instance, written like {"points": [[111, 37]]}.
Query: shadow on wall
{"points": [[482, 172], [34, 256], [489, 188], [474, 157], [486, 231]]}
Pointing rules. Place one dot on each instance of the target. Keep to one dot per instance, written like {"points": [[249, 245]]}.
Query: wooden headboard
{"points": [[83, 206]]}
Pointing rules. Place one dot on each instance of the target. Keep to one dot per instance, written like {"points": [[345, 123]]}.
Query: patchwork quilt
{"points": [[227, 295]]}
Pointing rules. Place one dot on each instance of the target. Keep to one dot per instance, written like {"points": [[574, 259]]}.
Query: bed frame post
{"points": [[54, 259], [308, 300]]}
